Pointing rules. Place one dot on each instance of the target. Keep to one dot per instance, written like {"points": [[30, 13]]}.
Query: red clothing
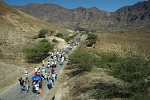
{"points": [[52, 70], [35, 73]]}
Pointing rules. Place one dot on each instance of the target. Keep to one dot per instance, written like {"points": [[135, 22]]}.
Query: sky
{"points": [[107, 5]]}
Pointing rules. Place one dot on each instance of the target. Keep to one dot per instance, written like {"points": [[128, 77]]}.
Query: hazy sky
{"points": [[107, 5]]}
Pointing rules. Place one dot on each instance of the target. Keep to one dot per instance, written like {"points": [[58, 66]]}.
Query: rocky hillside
{"points": [[69, 18], [138, 13]]}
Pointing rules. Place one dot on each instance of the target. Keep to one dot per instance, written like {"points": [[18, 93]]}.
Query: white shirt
{"points": [[36, 69], [43, 71], [26, 72], [52, 54], [62, 59], [36, 86], [53, 75], [48, 63], [45, 76], [48, 66], [50, 82]]}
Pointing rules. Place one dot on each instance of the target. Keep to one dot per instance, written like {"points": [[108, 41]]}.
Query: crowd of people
{"points": [[47, 72]]}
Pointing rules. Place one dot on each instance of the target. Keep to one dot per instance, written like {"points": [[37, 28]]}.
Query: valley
{"points": [[112, 60]]}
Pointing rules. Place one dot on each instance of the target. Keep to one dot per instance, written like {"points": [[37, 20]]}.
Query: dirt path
{"points": [[61, 42]]}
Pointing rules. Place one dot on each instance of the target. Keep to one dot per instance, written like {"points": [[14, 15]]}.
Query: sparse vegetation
{"points": [[70, 37], [132, 70], [35, 37], [55, 41], [83, 60], [110, 90], [42, 33], [91, 39], [59, 35], [38, 52], [50, 33]]}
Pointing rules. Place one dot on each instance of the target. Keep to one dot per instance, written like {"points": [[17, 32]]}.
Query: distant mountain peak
{"points": [[89, 17]]}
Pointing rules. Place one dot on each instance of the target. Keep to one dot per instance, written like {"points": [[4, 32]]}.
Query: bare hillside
{"points": [[17, 30]]}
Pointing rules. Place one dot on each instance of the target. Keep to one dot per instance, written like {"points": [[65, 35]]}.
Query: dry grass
{"points": [[123, 44], [8, 75]]}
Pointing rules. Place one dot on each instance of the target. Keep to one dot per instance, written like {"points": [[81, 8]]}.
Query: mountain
{"points": [[69, 18], [18, 29], [138, 13]]}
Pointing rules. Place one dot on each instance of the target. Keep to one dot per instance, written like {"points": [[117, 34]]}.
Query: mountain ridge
{"points": [[91, 18]]}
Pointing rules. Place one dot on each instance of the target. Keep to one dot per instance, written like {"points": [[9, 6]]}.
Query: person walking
{"points": [[56, 74], [26, 72], [37, 88], [21, 84], [33, 86], [53, 78], [62, 60], [43, 72], [35, 70], [42, 62], [45, 76], [27, 83], [49, 85], [48, 66], [52, 70], [39, 71], [48, 76]]}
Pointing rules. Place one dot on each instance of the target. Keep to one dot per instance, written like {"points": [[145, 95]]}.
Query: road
{"points": [[13, 93]]}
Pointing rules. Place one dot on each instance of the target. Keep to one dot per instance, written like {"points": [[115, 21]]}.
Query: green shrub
{"points": [[59, 35], [92, 38], [84, 60], [133, 70], [70, 37], [139, 96], [38, 52], [107, 60], [55, 41], [42, 33]]}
